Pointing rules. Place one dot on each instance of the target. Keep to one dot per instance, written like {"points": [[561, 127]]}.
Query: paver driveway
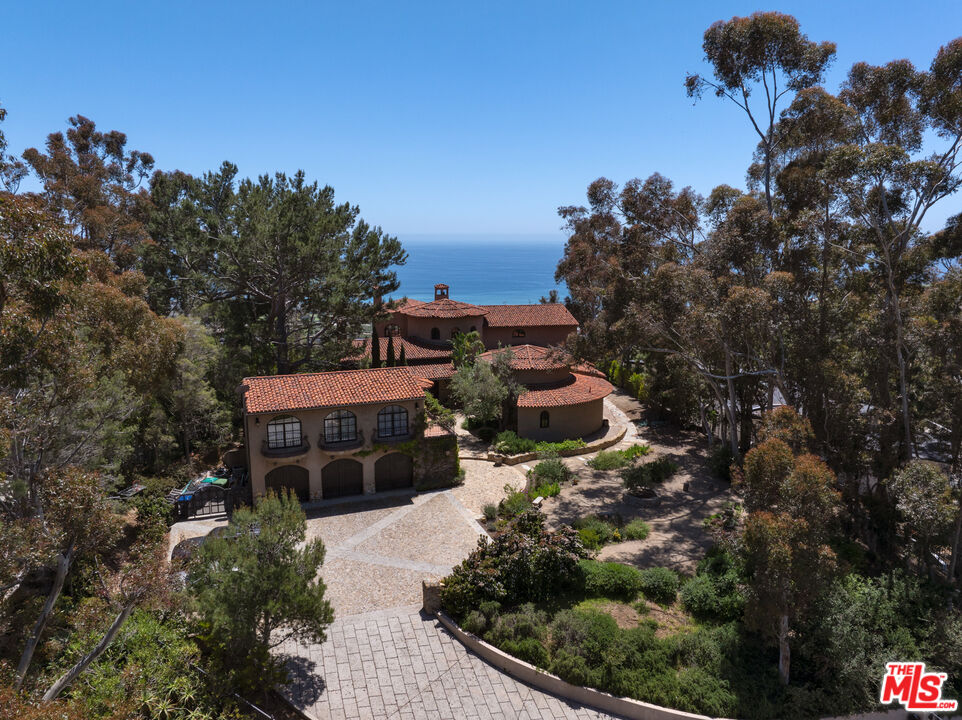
{"points": [[382, 657]]}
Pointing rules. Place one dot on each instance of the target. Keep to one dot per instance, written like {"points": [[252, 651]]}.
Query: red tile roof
{"points": [[413, 349], [579, 389], [532, 357], [306, 391], [443, 308], [404, 303], [434, 371], [437, 431], [529, 315]]}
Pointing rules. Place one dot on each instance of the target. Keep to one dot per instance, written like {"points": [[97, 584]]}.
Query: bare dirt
{"points": [[678, 538]]}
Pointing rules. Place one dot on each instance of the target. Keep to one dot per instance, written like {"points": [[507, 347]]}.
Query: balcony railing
{"points": [[341, 445], [286, 451], [392, 438]]}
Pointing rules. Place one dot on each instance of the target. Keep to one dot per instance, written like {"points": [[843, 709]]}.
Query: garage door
{"points": [[341, 478], [289, 477], [393, 472]]}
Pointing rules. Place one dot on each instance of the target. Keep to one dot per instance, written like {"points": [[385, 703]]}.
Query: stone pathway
{"points": [[402, 664], [382, 657]]}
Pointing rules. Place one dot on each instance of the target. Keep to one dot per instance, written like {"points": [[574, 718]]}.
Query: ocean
{"points": [[481, 269]]}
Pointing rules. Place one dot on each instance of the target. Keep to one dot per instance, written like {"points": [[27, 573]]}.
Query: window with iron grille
{"points": [[517, 332], [284, 432], [392, 421], [545, 419], [340, 426]]}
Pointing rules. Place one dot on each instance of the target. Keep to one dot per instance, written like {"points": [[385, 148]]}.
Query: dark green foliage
{"points": [[648, 474], [659, 585], [490, 511], [720, 461], [486, 433], [714, 593], [550, 470], [437, 412], [526, 563], [610, 579], [514, 503], [258, 585], [154, 515], [616, 459], [508, 443], [635, 530], [594, 531], [391, 360], [375, 348]]}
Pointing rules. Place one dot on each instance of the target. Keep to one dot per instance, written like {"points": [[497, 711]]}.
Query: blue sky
{"points": [[441, 117]]}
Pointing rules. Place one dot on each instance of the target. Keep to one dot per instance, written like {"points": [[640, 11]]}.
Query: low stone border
{"points": [[520, 670], [589, 448]]}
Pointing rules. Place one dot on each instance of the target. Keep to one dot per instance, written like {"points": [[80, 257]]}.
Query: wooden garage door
{"points": [[393, 472], [342, 477], [291, 477]]}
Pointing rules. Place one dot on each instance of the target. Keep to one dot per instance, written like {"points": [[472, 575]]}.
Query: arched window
{"points": [[340, 426], [545, 419], [392, 421], [435, 334], [455, 331], [390, 330], [517, 333], [284, 432]]}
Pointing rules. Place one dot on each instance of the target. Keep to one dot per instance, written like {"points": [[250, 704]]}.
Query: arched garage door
{"points": [[342, 477], [393, 472], [292, 477]]}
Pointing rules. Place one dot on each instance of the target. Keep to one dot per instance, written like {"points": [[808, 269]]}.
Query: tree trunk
{"points": [[956, 542], [68, 677], [63, 566], [784, 651], [731, 409]]}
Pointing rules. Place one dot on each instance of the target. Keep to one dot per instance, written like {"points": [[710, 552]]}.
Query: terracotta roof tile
{"points": [[305, 391], [437, 431], [432, 371], [529, 315], [443, 308], [577, 390], [405, 303], [532, 357], [413, 349]]}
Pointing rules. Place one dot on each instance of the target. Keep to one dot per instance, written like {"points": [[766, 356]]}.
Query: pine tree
{"points": [[391, 362], [375, 348]]}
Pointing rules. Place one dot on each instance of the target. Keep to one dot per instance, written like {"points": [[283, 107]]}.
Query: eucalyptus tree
{"points": [[765, 51]]}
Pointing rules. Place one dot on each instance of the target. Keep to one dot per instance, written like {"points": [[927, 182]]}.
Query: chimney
{"points": [[440, 291]]}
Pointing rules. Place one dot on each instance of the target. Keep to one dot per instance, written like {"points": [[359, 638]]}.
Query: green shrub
{"points": [[545, 447], [588, 634], [514, 503], [636, 386], [659, 585], [637, 529], [508, 443], [526, 563], [546, 490], [648, 474], [699, 597], [551, 470], [437, 412], [590, 538], [570, 667], [526, 622], [475, 622], [610, 579], [490, 511], [603, 529], [608, 460], [530, 650]]}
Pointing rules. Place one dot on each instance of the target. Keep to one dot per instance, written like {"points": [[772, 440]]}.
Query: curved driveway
{"points": [[382, 657]]}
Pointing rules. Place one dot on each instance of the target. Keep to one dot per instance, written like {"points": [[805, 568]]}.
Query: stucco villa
{"points": [[562, 400], [335, 434]]}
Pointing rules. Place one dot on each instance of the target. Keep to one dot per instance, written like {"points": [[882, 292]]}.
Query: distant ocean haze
{"points": [[481, 269]]}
